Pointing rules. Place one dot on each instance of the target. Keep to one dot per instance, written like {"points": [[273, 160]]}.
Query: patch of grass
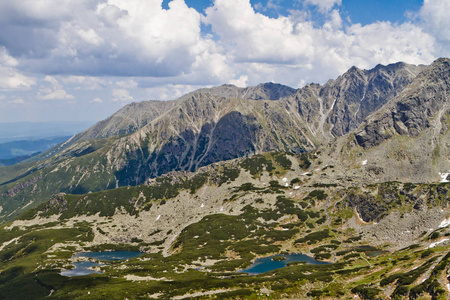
{"points": [[315, 237]]}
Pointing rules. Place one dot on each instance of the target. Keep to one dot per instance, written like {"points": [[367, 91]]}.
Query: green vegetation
{"points": [[315, 237], [205, 256], [132, 199]]}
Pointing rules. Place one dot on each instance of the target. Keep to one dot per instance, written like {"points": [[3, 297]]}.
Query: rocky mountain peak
{"points": [[263, 91]]}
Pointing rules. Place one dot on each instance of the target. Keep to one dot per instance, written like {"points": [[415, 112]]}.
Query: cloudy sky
{"points": [[84, 59]]}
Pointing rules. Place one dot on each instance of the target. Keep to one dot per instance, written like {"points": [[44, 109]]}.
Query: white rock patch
{"points": [[444, 176], [444, 223], [296, 187], [437, 243]]}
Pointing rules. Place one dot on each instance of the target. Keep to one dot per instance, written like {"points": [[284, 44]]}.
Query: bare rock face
{"points": [[422, 105], [126, 121], [340, 105], [407, 138], [263, 91], [205, 129], [145, 140]]}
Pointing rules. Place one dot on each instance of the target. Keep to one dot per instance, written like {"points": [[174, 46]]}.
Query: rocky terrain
{"points": [[197, 229], [353, 172], [148, 139]]}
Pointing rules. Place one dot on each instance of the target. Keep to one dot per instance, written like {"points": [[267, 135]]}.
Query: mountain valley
{"points": [[352, 172]]}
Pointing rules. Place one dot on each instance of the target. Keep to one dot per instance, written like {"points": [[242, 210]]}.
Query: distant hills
{"points": [[16, 131]]}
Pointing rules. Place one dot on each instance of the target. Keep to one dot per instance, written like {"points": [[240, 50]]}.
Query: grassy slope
{"points": [[230, 242]]}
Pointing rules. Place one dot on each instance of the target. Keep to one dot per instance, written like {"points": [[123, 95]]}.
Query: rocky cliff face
{"points": [[422, 105], [204, 129], [147, 139], [341, 105], [406, 139]]}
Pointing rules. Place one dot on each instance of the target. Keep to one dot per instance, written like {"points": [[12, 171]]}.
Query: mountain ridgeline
{"points": [[361, 108], [353, 173]]}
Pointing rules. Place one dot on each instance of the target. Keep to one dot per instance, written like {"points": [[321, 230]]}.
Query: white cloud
{"points": [[54, 94], [97, 100], [18, 101], [131, 50], [240, 82], [104, 37], [127, 84], [121, 95], [90, 36], [52, 80], [10, 77], [291, 49], [324, 5], [85, 82], [435, 18], [6, 60], [170, 91], [250, 36]]}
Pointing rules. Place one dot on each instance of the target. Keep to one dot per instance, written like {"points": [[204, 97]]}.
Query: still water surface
{"points": [[83, 267], [266, 264]]}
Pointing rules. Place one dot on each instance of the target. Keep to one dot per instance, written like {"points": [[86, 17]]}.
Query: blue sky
{"points": [[359, 11], [83, 60]]}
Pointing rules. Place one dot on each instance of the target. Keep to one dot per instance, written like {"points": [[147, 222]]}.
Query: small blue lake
{"points": [[110, 255], [84, 267], [266, 264]]}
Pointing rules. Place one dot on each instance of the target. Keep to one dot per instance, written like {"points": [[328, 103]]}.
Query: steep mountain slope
{"points": [[136, 115], [263, 91], [367, 202], [407, 139], [151, 138], [341, 105]]}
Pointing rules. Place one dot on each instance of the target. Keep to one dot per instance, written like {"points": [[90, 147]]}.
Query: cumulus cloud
{"points": [[85, 39], [121, 95], [54, 94], [104, 37], [287, 49], [18, 101], [131, 50], [127, 84], [85, 82], [324, 5], [170, 91], [97, 100], [10, 77], [434, 15], [240, 82]]}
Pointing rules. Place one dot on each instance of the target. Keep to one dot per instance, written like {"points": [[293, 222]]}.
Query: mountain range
{"points": [[331, 162]]}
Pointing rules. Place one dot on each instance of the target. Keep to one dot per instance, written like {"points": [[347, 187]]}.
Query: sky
{"points": [[82, 60]]}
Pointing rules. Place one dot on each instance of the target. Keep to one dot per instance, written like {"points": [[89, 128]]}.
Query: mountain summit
{"points": [[147, 139], [353, 174]]}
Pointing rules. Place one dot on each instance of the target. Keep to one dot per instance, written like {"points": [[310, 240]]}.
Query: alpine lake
{"points": [[84, 267], [259, 266]]}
